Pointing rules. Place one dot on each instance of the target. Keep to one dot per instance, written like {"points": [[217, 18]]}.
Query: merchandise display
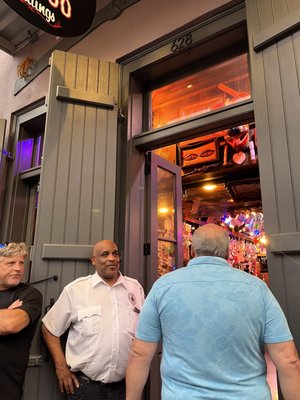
{"points": [[247, 249]]}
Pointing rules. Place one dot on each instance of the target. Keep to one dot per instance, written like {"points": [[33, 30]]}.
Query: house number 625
{"points": [[182, 42]]}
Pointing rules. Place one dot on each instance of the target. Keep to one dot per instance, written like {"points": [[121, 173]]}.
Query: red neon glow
{"points": [[65, 7]]}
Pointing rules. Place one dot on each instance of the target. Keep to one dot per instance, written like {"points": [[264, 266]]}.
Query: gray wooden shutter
{"points": [[77, 188], [274, 39]]}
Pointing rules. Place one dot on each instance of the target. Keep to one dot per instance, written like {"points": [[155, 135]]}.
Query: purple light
{"points": [[37, 160], [24, 151]]}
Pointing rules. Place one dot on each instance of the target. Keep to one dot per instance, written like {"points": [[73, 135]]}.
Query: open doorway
{"points": [[220, 184]]}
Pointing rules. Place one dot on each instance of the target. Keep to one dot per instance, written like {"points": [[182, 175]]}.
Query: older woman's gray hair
{"points": [[210, 240]]}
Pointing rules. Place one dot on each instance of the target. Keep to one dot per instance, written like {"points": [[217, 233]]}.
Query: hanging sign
{"points": [[57, 17]]}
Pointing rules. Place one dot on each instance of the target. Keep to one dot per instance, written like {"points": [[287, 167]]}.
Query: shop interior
{"points": [[220, 184]]}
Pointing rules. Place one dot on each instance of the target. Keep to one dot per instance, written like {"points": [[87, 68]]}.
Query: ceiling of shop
{"points": [[201, 204], [237, 189], [237, 185]]}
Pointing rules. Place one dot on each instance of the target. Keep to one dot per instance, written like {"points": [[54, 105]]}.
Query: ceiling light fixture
{"points": [[209, 187], [163, 210]]}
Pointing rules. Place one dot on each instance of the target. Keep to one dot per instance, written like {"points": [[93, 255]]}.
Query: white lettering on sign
{"points": [[50, 17], [65, 7]]}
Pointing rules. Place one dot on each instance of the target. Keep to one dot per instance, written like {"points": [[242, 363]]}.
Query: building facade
{"points": [[81, 138]]}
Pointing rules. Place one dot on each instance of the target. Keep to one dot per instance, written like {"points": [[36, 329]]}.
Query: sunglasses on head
{"points": [[4, 244]]}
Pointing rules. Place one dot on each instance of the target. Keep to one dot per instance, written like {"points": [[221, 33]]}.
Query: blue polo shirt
{"points": [[214, 321]]}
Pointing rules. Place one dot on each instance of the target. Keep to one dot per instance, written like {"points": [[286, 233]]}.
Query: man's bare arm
{"points": [[66, 379], [286, 359], [13, 319], [138, 367]]}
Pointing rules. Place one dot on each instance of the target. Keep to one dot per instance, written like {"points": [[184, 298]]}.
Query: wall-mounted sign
{"points": [[58, 17]]}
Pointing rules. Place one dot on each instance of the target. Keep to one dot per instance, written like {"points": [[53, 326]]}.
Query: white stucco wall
{"points": [[138, 25]]}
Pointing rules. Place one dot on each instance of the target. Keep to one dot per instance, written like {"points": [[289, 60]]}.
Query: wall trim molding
{"points": [[84, 97], [286, 243], [66, 252]]}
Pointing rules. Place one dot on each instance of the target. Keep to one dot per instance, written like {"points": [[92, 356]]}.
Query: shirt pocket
{"points": [[90, 321]]}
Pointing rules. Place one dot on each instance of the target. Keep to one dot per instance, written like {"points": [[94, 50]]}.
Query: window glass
{"points": [[29, 151], [166, 230], [209, 89], [166, 204]]}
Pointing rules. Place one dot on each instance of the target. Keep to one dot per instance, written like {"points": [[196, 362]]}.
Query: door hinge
{"points": [[121, 116], [9, 155], [148, 163], [147, 249], [51, 302]]}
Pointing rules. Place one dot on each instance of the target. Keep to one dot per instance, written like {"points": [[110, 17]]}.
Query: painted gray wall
{"points": [[274, 39]]}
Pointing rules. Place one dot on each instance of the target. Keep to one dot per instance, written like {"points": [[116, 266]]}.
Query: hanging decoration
{"points": [[24, 68], [249, 223], [248, 241], [247, 248]]}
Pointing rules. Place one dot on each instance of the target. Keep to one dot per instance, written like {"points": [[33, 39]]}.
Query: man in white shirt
{"points": [[101, 313]]}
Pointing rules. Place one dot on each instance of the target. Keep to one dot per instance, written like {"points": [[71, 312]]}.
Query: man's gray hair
{"points": [[211, 240], [13, 249]]}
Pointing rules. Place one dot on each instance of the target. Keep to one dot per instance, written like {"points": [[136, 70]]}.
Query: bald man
{"points": [[214, 322], [101, 313]]}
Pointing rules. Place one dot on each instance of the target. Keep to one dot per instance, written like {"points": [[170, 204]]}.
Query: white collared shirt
{"points": [[102, 321]]}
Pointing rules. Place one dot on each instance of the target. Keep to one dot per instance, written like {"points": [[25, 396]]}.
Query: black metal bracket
{"points": [[147, 249], [9, 155], [47, 308], [148, 163], [54, 277]]}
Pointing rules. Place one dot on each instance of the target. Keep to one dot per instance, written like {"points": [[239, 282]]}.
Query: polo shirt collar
{"points": [[208, 260], [96, 279]]}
